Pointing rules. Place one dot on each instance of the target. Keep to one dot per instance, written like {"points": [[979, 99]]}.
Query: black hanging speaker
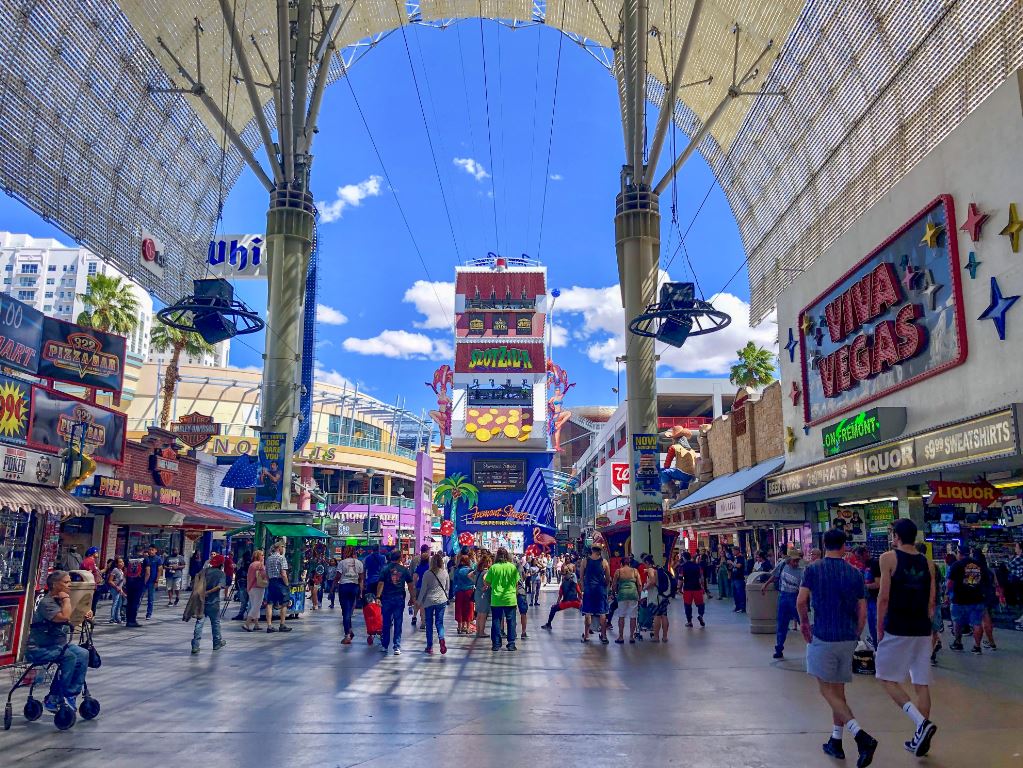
{"points": [[214, 327], [212, 312], [676, 327]]}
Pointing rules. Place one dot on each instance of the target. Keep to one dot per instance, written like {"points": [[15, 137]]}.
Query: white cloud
{"points": [[602, 332], [401, 345], [350, 195], [556, 177], [329, 315], [471, 167], [435, 301], [559, 335], [321, 374]]}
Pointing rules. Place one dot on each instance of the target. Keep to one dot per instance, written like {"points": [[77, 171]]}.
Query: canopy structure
{"points": [[94, 137], [295, 531]]}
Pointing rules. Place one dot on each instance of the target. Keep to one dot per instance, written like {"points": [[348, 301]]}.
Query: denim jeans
{"points": [[872, 620], [150, 596], [739, 593], [212, 612], [348, 594], [786, 615], [73, 665], [500, 614], [115, 608], [393, 610], [434, 617]]}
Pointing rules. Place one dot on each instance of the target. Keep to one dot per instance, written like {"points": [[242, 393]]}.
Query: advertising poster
{"points": [[82, 356], [850, 521], [15, 405], [21, 334], [55, 416], [270, 489], [645, 476]]}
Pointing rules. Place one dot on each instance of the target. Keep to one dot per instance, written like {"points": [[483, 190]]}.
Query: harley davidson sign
{"points": [[892, 320], [195, 429]]}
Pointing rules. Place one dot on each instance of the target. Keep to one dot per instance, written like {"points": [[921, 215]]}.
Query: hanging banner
{"points": [[237, 257], [56, 417], [78, 355], [270, 489], [15, 406], [649, 506], [21, 334]]}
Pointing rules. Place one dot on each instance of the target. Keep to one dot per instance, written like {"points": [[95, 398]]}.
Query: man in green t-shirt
{"points": [[502, 577]]}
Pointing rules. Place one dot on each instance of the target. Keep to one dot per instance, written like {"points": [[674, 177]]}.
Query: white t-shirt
{"points": [[349, 570]]}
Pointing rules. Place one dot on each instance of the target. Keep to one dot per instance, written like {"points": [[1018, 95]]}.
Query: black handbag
{"points": [[85, 641]]}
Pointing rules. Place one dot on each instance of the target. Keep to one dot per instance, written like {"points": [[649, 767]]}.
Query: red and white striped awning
{"points": [[38, 498]]}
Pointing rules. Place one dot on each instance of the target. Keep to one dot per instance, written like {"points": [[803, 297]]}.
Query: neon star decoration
{"points": [[974, 221], [932, 233], [792, 346], [807, 325], [1013, 228], [909, 277], [806, 430], [931, 288], [795, 393], [971, 265], [1000, 305]]}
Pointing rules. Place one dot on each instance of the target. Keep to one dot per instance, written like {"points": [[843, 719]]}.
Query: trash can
{"points": [[762, 609], [83, 586]]}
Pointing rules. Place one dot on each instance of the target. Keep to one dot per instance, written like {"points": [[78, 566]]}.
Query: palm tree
{"points": [[110, 305], [166, 338], [453, 491], [755, 368]]}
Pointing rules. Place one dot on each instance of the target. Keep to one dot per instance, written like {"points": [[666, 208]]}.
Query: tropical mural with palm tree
{"points": [[450, 493], [175, 341]]}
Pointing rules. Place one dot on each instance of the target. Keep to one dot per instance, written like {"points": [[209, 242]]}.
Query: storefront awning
{"points": [[295, 531], [730, 485], [40, 498], [209, 516], [240, 531], [147, 514]]}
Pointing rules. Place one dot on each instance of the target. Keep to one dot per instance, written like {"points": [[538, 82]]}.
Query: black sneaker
{"points": [[270, 629], [689, 624], [976, 650], [702, 622], [956, 646], [778, 655], [548, 627], [283, 628], [920, 744], [866, 745], [833, 747], [511, 647]]}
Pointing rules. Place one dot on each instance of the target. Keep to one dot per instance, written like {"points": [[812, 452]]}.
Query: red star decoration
{"points": [[974, 221], [795, 393]]}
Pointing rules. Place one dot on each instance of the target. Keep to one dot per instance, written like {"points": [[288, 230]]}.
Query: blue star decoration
{"points": [[792, 346], [1000, 305], [806, 430], [971, 265]]}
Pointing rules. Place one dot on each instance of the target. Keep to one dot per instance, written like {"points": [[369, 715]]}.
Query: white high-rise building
{"points": [[48, 275]]}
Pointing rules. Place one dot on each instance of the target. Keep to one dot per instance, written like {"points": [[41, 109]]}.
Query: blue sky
{"points": [[381, 322]]}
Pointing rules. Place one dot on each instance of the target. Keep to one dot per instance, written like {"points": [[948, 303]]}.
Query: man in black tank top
{"points": [[905, 606]]}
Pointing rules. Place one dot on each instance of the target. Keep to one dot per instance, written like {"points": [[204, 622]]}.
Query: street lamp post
{"points": [[368, 474]]}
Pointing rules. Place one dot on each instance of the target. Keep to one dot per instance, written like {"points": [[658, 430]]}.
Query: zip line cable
{"points": [[490, 139], [429, 137], [397, 202], [550, 135], [468, 119], [503, 144], [532, 144]]}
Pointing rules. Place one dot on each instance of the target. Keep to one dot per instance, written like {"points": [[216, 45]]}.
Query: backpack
{"points": [[133, 569], [665, 584]]}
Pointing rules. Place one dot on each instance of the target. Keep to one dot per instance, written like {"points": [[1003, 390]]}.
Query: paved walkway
{"points": [[710, 697]]}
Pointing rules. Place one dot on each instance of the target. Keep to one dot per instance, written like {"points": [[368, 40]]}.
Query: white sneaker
{"points": [[397, 651]]}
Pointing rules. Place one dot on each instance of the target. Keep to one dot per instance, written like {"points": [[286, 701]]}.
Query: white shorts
{"points": [[627, 609], [901, 657]]}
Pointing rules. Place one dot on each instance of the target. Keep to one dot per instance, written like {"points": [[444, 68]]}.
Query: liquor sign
{"points": [[620, 478], [981, 438], [945, 492], [24, 466], [865, 428], [195, 429], [21, 334], [891, 321], [237, 257], [82, 356], [57, 417], [649, 505], [15, 406]]}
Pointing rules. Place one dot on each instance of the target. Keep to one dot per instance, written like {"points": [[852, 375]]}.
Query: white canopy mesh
{"points": [[870, 87]]}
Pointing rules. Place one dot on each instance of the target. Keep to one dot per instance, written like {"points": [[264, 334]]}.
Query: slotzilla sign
{"points": [[893, 319], [863, 429], [994, 435], [500, 358]]}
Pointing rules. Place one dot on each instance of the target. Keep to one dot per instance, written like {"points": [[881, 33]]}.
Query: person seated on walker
{"points": [[49, 633]]}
